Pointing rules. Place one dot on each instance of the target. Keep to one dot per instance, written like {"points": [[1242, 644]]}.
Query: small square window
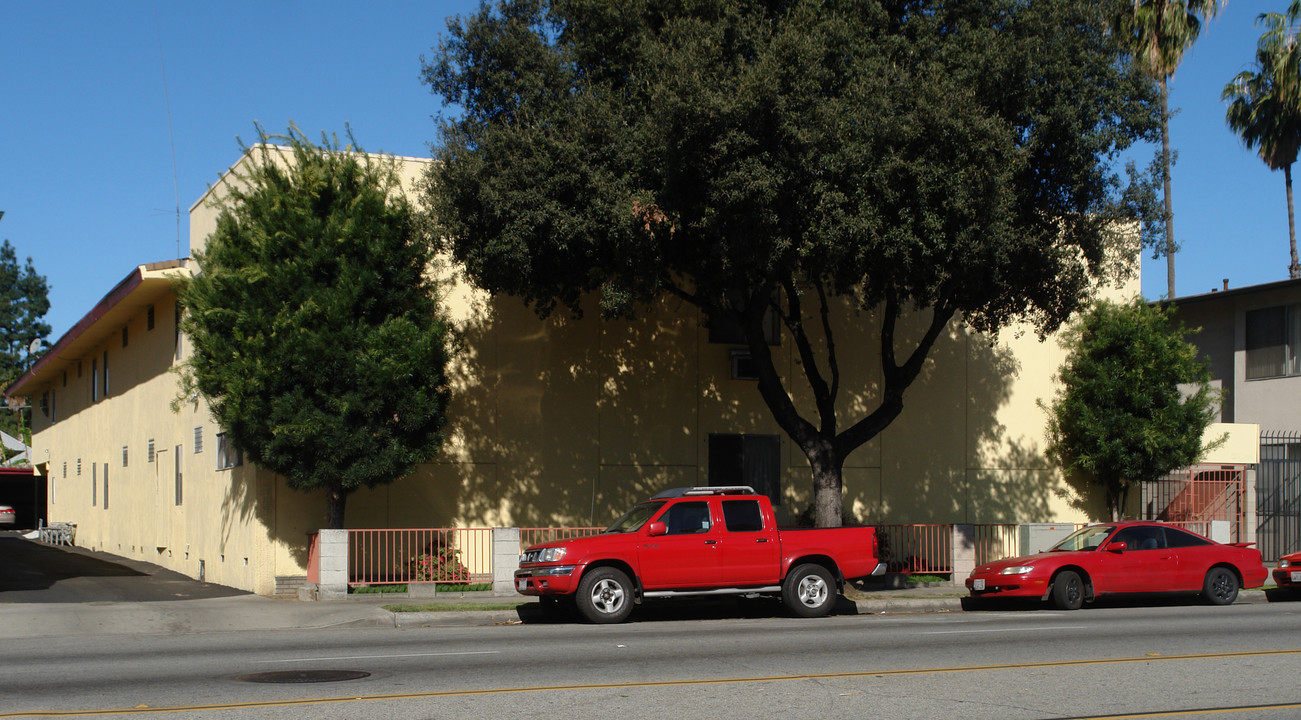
{"points": [[124, 456], [198, 440], [149, 451]]}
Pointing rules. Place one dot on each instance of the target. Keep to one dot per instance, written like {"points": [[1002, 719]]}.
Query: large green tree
{"points": [[24, 300], [1157, 34], [1135, 399], [941, 159], [318, 340], [1265, 105]]}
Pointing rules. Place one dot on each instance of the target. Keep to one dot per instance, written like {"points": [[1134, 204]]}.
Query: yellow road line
{"points": [[703, 681]]}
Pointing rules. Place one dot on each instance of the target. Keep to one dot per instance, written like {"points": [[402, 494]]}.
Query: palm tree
{"points": [[1157, 32], [1265, 105]]}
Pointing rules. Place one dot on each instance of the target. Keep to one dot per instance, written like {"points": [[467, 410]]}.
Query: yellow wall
{"points": [[556, 422]]}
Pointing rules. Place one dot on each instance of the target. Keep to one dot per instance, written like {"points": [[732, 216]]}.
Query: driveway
{"points": [[32, 572]]}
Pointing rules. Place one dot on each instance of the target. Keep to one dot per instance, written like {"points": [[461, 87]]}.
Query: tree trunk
{"points": [[1293, 270], [1169, 201], [336, 498], [828, 499]]}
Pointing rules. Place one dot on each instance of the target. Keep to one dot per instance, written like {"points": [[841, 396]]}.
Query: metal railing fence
{"points": [[420, 555]]}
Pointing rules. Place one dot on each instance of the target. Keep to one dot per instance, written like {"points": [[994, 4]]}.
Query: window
{"points": [[54, 416], [1178, 538], [723, 330], [65, 468], [123, 336], [149, 318], [94, 484], [198, 440], [1140, 537], [743, 366], [124, 456], [1274, 342], [78, 467], [687, 518], [105, 486], [228, 456], [149, 451], [176, 331], [94, 380], [45, 403], [742, 515], [179, 483], [753, 460], [105, 373]]}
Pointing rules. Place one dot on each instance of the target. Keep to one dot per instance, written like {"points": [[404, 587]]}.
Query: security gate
{"points": [[1193, 497], [1278, 494]]}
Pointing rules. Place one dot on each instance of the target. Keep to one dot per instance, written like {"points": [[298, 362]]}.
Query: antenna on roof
{"points": [[171, 138]]}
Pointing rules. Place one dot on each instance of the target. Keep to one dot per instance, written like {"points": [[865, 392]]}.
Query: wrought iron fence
{"points": [[538, 535], [919, 549], [1278, 494], [1197, 495], [420, 555], [995, 542]]}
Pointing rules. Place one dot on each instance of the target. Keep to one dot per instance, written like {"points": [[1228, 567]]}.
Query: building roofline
{"points": [[120, 292], [1233, 292]]}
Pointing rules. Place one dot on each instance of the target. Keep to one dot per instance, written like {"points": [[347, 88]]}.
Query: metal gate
{"points": [[1278, 494], [1193, 497]]}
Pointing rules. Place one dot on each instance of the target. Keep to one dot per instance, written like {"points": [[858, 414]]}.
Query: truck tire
{"points": [[809, 590], [605, 596]]}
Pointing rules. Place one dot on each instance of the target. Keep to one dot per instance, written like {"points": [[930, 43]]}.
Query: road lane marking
{"points": [[1187, 713], [685, 683], [377, 657], [1004, 630]]}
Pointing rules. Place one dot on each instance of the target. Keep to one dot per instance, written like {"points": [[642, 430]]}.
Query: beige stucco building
{"points": [[556, 422]]}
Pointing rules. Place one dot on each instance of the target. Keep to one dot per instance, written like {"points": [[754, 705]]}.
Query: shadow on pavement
{"points": [[36, 573], [716, 608]]}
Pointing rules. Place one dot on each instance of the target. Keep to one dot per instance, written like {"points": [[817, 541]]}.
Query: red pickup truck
{"points": [[698, 541]]}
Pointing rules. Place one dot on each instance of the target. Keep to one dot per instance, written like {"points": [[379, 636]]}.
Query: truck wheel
{"points": [[809, 590], [605, 596]]}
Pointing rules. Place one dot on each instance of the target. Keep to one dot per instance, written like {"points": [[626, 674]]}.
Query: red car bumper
{"points": [[1289, 577], [547, 580], [1022, 586]]}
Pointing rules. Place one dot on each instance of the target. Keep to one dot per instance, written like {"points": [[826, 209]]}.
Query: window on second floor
{"points": [[1274, 342]]}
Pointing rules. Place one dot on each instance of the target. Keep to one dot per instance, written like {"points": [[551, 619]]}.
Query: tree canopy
{"points": [[24, 300], [1121, 416], [749, 157], [318, 341], [1157, 33], [1265, 105]]}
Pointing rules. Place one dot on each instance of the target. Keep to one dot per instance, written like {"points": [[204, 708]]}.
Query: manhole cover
{"points": [[304, 676]]}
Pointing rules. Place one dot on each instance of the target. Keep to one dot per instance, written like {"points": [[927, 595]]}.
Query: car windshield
{"points": [[636, 517], [1088, 538]]}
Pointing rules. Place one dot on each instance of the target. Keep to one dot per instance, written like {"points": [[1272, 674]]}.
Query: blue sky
{"points": [[88, 188]]}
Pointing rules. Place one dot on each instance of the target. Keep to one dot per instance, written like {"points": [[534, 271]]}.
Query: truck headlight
{"points": [[551, 554], [1016, 570]]}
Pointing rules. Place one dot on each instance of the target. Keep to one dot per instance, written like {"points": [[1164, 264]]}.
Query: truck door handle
{"points": [[762, 540], [711, 542]]}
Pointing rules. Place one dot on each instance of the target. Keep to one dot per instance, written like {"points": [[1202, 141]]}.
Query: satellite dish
{"points": [[35, 347]]}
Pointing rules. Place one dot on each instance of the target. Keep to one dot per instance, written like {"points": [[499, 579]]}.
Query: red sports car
{"points": [[1124, 557], [1288, 574]]}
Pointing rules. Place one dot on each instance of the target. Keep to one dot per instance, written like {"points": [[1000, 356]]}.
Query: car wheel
{"points": [[1220, 587], [1068, 590], [809, 590], [605, 596]]}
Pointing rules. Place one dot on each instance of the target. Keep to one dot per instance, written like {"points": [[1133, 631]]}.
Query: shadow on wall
{"points": [[569, 422]]}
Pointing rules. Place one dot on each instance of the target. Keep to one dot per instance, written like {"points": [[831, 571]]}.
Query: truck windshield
{"points": [[636, 517]]}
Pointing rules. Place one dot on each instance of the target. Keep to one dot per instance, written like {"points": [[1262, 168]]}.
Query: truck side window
{"points": [[742, 515], [687, 518]]}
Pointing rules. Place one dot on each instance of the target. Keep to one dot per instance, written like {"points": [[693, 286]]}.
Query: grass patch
{"points": [[927, 578], [450, 607]]}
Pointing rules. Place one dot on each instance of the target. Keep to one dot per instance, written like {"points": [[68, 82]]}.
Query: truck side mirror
{"points": [[656, 528]]}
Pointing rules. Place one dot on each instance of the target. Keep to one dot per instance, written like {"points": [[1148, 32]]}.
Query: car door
{"points": [[751, 551], [687, 555], [1195, 555], [1144, 565]]}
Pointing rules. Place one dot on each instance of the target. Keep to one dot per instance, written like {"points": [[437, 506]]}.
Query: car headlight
{"points": [[1284, 563], [551, 554], [1016, 570]]}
